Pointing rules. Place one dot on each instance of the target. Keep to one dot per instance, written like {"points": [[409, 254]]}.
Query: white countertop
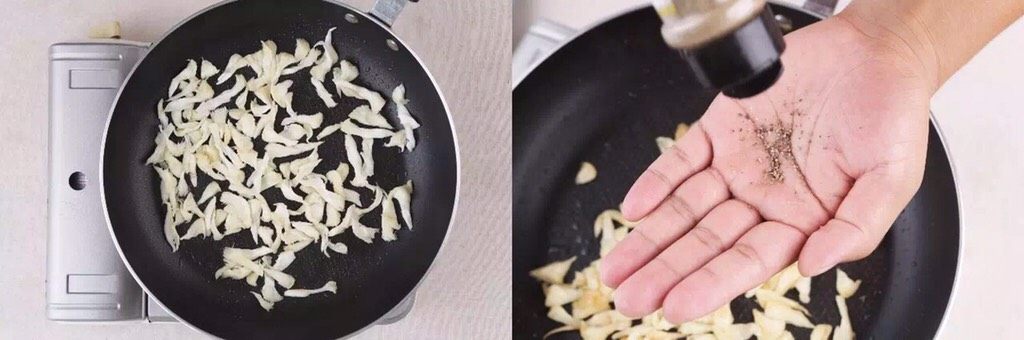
{"points": [[465, 296], [980, 114]]}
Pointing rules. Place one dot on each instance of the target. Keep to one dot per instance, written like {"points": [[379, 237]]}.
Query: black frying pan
{"points": [[372, 279], [604, 97]]}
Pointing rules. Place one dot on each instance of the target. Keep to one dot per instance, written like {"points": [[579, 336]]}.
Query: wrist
{"points": [[896, 34]]}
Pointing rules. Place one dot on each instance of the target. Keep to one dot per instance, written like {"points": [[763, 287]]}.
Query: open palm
{"points": [[816, 168]]}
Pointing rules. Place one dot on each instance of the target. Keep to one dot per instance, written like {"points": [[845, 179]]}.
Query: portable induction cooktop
{"points": [[85, 277], [86, 280]]}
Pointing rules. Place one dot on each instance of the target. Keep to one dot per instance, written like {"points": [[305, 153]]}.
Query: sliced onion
{"points": [[345, 87], [205, 131], [269, 291], [403, 194], [322, 92], [279, 93], [188, 72], [363, 232], [308, 122], [330, 286], [347, 126], [207, 69], [554, 272], [354, 158], [409, 124], [326, 61], [388, 220], [234, 63], [306, 61], [279, 151], [365, 116], [263, 302]]}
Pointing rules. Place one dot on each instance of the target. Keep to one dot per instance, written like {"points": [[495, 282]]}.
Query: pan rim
{"points": [[400, 42], [960, 226], [957, 271], [580, 32]]}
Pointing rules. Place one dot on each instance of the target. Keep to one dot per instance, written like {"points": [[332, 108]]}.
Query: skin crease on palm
{"points": [[714, 225]]}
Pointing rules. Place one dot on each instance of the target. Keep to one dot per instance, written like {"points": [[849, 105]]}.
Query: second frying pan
{"points": [[604, 96], [372, 278]]}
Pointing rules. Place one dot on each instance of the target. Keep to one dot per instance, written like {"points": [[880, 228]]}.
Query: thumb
{"points": [[863, 218]]}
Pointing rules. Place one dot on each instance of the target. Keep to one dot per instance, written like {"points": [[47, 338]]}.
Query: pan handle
{"points": [[387, 10], [824, 8]]}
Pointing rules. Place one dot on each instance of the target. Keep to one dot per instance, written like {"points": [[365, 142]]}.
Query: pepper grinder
{"points": [[732, 45]]}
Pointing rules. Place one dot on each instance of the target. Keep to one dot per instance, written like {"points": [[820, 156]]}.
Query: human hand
{"points": [[817, 168]]}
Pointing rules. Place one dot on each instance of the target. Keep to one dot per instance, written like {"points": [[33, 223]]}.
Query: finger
{"points": [[763, 251], [643, 292], [673, 218], [863, 218], [690, 155]]}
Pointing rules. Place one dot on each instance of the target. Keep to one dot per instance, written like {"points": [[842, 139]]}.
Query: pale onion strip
{"points": [[845, 286], [791, 316], [330, 286], [333, 199], [333, 216], [328, 130], [203, 93], [322, 92], [351, 214], [282, 97], [403, 195], [664, 143], [263, 302], [367, 154], [378, 196], [342, 77], [803, 288], [188, 72], [586, 174], [272, 137], [269, 290], [355, 159], [765, 297], [303, 54], [565, 328], [235, 62], [844, 331], [338, 247], [327, 60], [554, 272], [287, 281], [308, 122], [280, 151], [364, 233], [365, 116], [293, 131], [388, 220], [821, 332], [409, 124], [207, 69], [347, 126], [558, 295]]}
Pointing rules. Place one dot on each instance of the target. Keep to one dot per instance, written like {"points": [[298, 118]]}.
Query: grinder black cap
{"points": [[741, 62]]}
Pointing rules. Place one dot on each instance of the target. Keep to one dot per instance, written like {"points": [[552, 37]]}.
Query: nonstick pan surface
{"points": [[372, 278], [604, 97]]}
